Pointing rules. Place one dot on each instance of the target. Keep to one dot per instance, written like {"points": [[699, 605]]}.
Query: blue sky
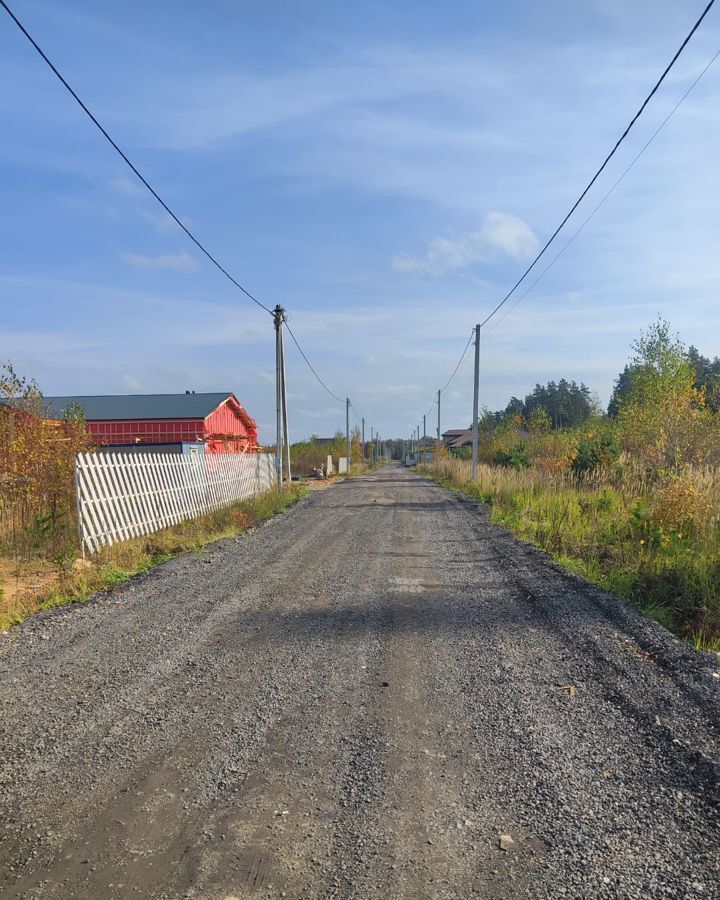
{"points": [[384, 170]]}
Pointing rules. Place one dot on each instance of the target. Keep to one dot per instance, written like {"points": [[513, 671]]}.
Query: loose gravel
{"points": [[378, 694]]}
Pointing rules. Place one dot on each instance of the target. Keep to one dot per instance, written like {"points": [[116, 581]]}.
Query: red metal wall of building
{"points": [[230, 429], [147, 431]]}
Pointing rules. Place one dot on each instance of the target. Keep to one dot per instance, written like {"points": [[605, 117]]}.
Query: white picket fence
{"points": [[125, 495]]}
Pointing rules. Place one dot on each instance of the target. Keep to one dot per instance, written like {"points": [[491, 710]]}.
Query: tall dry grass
{"points": [[652, 538]]}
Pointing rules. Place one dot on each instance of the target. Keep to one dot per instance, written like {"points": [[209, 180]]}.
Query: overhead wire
{"points": [[127, 160], [607, 159], [590, 184], [604, 199], [309, 364], [460, 361], [151, 189], [527, 271], [455, 371]]}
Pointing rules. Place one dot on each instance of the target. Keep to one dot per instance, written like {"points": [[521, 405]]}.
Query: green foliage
{"points": [[707, 376], [308, 455], [73, 412], [596, 449], [539, 421], [565, 403], [622, 387], [516, 457], [662, 419]]}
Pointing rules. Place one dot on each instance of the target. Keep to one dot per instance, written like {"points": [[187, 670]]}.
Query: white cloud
{"points": [[510, 234], [126, 185], [501, 232], [176, 262], [161, 222], [443, 255], [132, 383]]}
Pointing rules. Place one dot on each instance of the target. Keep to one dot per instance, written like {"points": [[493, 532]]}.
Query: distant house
{"points": [[457, 437], [462, 440], [172, 423]]}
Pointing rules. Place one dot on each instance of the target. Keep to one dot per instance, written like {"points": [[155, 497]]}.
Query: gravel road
{"points": [[378, 694]]}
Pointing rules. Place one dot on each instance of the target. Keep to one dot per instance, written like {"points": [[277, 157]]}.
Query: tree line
{"points": [[568, 404]]}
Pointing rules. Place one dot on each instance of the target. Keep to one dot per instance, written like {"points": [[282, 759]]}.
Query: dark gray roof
{"points": [[462, 440], [139, 406]]}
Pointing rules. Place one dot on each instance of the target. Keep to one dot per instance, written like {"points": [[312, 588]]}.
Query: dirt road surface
{"points": [[376, 695]]}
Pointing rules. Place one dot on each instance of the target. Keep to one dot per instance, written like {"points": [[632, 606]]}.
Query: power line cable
{"points": [[309, 365], [605, 198], [455, 371], [602, 167], [152, 190], [125, 158]]}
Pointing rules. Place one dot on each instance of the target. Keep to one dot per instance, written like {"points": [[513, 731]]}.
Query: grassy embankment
{"points": [[653, 541], [62, 578]]}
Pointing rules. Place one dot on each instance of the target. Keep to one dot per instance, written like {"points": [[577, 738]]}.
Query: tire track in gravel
{"points": [[356, 701]]}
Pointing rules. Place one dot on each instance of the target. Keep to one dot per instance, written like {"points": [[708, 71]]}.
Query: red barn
{"points": [[215, 423]]}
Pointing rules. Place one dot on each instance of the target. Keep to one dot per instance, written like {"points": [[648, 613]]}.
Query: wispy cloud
{"points": [[132, 383], [176, 262], [501, 232], [126, 185], [161, 222], [510, 234]]}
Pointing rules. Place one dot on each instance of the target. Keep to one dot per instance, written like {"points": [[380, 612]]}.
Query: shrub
{"points": [[663, 419], [596, 450], [515, 458], [37, 461], [679, 504]]}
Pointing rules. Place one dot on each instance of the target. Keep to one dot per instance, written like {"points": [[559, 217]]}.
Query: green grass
{"points": [[613, 535], [112, 566]]}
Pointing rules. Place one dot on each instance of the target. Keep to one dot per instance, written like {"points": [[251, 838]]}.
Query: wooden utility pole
{"points": [[347, 433], [286, 430], [476, 395], [278, 318], [438, 425], [438, 447]]}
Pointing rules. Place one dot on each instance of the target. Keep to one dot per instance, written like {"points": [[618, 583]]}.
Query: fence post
{"points": [[78, 507]]}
